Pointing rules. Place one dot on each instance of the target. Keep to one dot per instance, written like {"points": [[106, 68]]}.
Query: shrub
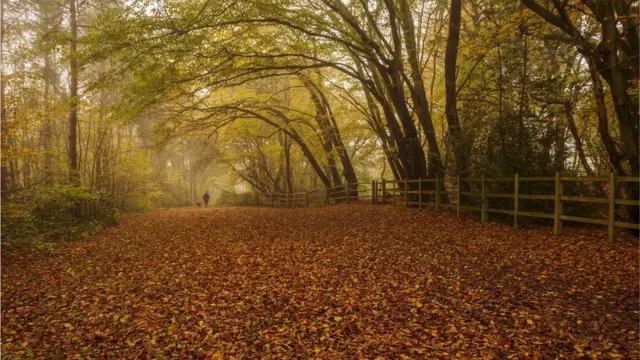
{"points": [[55, 212], [231, 198]]}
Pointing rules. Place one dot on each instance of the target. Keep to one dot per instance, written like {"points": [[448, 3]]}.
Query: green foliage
{"points": [[231, 198], [55, 212], [150, 196]]}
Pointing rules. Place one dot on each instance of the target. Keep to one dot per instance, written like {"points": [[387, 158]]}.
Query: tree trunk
{"points": [[73, 81], [287, 164], [4, 173], [47, 75], [460, 146], [412, 154], [419, 97], [621, 86], [603, 122], [47, 129], [390, 147], [523, 92], [568, 113], [329, 128], [503, 147], [559, 146], [325, 128]]}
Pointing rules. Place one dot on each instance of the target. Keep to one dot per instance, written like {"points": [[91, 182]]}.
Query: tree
{"points": [[611, 54], [3, 114], [73, 94], [329, 130], [609, 59], [460, 146]]}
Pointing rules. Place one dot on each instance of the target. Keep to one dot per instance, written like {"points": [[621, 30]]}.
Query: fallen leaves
{"points": [[337, 282]]}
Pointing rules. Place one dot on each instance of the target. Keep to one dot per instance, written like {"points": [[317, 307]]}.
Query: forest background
{"points": [[134, 105]]}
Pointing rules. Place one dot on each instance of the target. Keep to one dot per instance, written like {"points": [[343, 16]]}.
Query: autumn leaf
{"points": [[277, 301]]}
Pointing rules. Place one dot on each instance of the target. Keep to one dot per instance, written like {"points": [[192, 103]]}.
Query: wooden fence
{"points": [[318, 197], [450, 193]]}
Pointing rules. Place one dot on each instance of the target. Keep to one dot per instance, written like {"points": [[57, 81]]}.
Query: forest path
{"points": [[333, 282]]}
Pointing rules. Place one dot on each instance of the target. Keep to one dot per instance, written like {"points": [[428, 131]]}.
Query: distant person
{"points": [[205, 197]]}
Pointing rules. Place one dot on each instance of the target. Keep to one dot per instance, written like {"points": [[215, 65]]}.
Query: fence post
{"points": [[437, 194], [373, 192], [458, 198], [271, 199], [557, 213], [306, 195], [393, 192], [384, 187], [406, 192], [483, 201], [612, 205], [516, 192], [346, 190], [420, 193], [326, 196]]}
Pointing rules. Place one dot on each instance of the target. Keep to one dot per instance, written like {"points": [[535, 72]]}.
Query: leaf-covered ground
{"points": [[350, 281]]}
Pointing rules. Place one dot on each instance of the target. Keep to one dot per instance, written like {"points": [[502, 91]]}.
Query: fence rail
{"points": [[433, 192]]}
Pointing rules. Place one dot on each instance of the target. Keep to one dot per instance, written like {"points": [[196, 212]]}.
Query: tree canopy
{"points": [[154, 102]]}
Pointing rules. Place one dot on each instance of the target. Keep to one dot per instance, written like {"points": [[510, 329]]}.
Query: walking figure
{"points": [[205, 197]]}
